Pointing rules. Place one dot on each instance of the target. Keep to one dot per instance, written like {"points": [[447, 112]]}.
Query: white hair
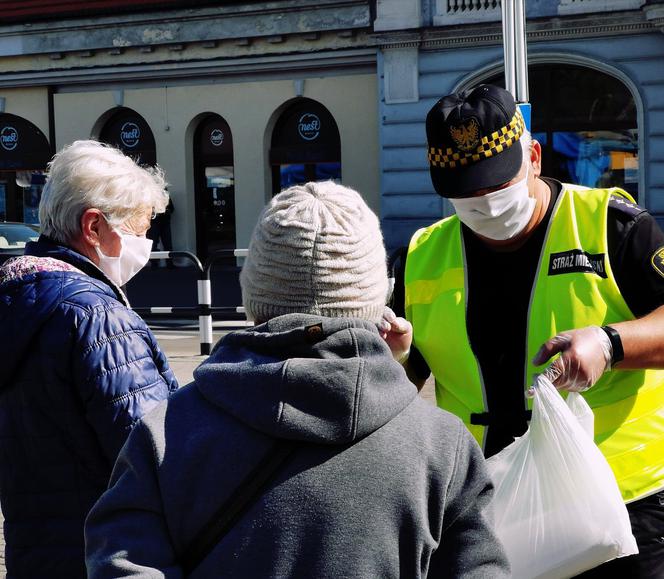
{"points": [[90, 174], [526, 141]]}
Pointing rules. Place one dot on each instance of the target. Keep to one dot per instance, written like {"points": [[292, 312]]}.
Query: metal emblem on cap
{"points": [[466, 136]]}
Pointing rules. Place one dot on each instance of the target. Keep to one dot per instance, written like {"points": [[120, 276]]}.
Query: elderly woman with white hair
{"points": [[79, 368]]}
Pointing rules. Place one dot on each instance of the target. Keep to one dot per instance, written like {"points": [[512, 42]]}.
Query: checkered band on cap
{"points": [[489, 146]]}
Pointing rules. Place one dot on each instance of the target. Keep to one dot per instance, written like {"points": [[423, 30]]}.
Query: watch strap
{"points": [[616, 344]]}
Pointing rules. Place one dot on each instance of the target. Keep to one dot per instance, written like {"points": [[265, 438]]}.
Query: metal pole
{"points": [[507, 9], [521, 52], [205, 315], [513, 13]]}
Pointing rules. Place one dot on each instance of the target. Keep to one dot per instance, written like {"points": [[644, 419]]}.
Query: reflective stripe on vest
{"points": [[574, 287]]}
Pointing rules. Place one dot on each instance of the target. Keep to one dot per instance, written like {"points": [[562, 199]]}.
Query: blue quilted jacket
{"points": [[78, 369]]}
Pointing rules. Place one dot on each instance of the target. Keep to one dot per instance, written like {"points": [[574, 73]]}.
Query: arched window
{"points": [[585, 121], [305, 146], [215, 186], [129, 132], [24, 153]]}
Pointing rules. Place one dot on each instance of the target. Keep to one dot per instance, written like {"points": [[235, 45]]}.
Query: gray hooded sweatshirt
{"points": [[381, 484]]}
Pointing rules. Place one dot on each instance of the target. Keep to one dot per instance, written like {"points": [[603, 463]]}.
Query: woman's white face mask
{"points": [[134, 254], [500, 215]]}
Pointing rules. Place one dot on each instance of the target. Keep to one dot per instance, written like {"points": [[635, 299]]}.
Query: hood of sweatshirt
{"points": [[307, 378]]}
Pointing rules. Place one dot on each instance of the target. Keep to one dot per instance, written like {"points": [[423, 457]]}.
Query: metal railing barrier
{"points": [[206, 314], [204, 309], [204, 299]]}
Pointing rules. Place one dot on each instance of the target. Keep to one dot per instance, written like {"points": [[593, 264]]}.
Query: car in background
{"points": [[14, 236]]}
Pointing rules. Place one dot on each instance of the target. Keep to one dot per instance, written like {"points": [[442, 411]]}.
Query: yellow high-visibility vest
{"points": [[574, 287]]}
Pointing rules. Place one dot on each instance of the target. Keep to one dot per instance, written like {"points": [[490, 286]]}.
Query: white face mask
{"points": [[134, 254], [500, 215]]}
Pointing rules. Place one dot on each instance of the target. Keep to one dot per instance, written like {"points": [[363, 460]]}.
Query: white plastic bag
{"points": [[558, 509]]}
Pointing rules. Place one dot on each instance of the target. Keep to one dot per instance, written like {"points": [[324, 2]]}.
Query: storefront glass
{"points": [[32, 183], [299, 173], [220, 208], [24, 153], [215, 186], [3, 201], [305, 146], [585, 121]]}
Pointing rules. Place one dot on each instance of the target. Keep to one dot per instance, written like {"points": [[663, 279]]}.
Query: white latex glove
{"points": [[585, 354], [397, 332]]}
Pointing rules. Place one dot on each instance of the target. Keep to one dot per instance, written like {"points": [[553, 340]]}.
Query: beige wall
{"points": [[249, 108], [29, 103]]}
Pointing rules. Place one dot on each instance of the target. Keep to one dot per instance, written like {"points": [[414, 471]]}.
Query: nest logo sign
{"points": [[8, 138], [130, 134], [217, 137], [309, 126]]}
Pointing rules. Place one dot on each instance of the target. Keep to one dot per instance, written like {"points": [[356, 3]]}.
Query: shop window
{"points": [[24, 153], [585, 121], [305, 146], [215, 186], [129, 132]]}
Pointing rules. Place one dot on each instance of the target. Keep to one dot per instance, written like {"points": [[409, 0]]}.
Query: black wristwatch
{"points": [[616, 344]]}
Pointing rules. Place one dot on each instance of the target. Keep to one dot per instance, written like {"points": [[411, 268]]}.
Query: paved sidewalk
{"points": [[180, 342]]}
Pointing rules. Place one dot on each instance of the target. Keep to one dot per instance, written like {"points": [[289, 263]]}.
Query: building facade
{"points": [[596, 87], [233, 100], [236, 100]]}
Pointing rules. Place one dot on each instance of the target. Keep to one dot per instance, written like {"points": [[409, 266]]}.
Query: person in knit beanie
{"points": [[316, 249], [301, 449]]}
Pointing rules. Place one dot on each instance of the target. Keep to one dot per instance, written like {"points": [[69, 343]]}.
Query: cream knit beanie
{"points": [[316, 249]]}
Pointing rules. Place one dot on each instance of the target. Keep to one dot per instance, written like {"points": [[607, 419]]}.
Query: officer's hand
{"points": [[397, 332], [585, 354]]}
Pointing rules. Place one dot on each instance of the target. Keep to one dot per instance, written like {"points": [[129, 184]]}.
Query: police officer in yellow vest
{"points": [[529, 269]]}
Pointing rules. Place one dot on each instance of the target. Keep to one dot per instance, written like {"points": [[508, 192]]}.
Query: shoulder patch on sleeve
{"points": [[625, 206], [657, 261]]}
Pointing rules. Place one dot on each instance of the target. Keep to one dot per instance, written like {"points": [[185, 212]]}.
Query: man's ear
{"points": [[536, 157], [91, 224]]}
